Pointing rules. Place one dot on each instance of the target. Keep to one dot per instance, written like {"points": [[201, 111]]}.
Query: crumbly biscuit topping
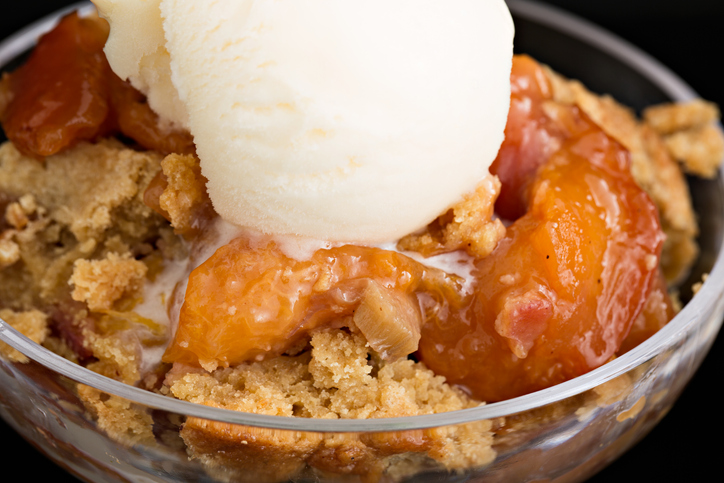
{"points": [[334, 380], [469, 225], [100, 283], [33, 324], [81, 204]]}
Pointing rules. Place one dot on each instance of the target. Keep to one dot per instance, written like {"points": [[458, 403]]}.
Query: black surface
{"points": [[687, 37]]}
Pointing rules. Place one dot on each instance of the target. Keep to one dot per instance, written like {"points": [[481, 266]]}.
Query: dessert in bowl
{"points": [[578, 415]]}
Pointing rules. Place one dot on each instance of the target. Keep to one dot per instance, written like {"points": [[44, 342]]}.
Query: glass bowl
{"points": [[564, 433]]}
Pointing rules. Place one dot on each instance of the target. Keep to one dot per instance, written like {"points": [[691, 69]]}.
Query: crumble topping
{"points": [[699, 149], [669, 118], [185, 194], [105, 177], [81, 204], [691, 134], [33, 324], [9, 253], [118, 417], [469, 225], [334, 380], [100, 283]]}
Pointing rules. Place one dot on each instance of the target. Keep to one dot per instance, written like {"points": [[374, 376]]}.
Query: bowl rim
{"points": [[552, 17]]}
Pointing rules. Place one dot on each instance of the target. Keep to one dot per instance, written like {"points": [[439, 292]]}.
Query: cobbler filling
{"points": [[546, 305], [552, 296]]}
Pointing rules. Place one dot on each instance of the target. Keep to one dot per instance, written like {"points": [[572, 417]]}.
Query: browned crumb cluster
{"points": [[469, 225], [691, 134], [100, 283], [118, 417], [184, 198], [653, 163], [334, 380], [76, 244], [33, 324], [78, 205], [670, 118]]}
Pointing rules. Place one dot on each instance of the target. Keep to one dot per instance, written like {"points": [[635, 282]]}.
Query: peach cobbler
{"points": [[113, 255]]}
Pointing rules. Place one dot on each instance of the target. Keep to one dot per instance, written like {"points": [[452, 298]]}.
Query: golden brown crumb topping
{"points": [[81, 204], [670, 118], [469, 226], [100, 283], [33, 324], [334, 380], [185, 196], [118, 417], [700, 149]]}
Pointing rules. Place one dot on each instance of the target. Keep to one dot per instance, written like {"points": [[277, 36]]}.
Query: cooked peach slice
{"points": [[251, 301], [563, 289]]}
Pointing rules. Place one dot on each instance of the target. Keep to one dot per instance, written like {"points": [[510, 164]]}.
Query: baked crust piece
{"points": [[123, 421], [33, 324], [332, 381], [79, 217], [184, 198], [100, 283], [469, 225], [682, 116], [81, 204], [691, 133]]}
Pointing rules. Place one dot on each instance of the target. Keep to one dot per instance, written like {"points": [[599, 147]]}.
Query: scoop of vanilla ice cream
{"points": [[343, 120], [136, 48]]}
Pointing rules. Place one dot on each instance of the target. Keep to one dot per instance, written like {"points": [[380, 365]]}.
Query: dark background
{"points": [[688, 37]]}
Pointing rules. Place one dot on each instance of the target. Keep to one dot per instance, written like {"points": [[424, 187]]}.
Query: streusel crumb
{"points": [[691, 134], [9, 253], [117, 358], [333, 381], [669, 118], [105, 176], [16, 216], [700, 150], [185, 193], [98, 208], [469, 225], [100, 283], [123, 421], [33, 324]]}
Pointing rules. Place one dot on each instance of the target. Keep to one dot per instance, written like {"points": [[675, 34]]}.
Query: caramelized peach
{"points": [[60, 95], [135, 119], [249, 300], [562, 290], [533, 133], [657, 312], [66, 92]]}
